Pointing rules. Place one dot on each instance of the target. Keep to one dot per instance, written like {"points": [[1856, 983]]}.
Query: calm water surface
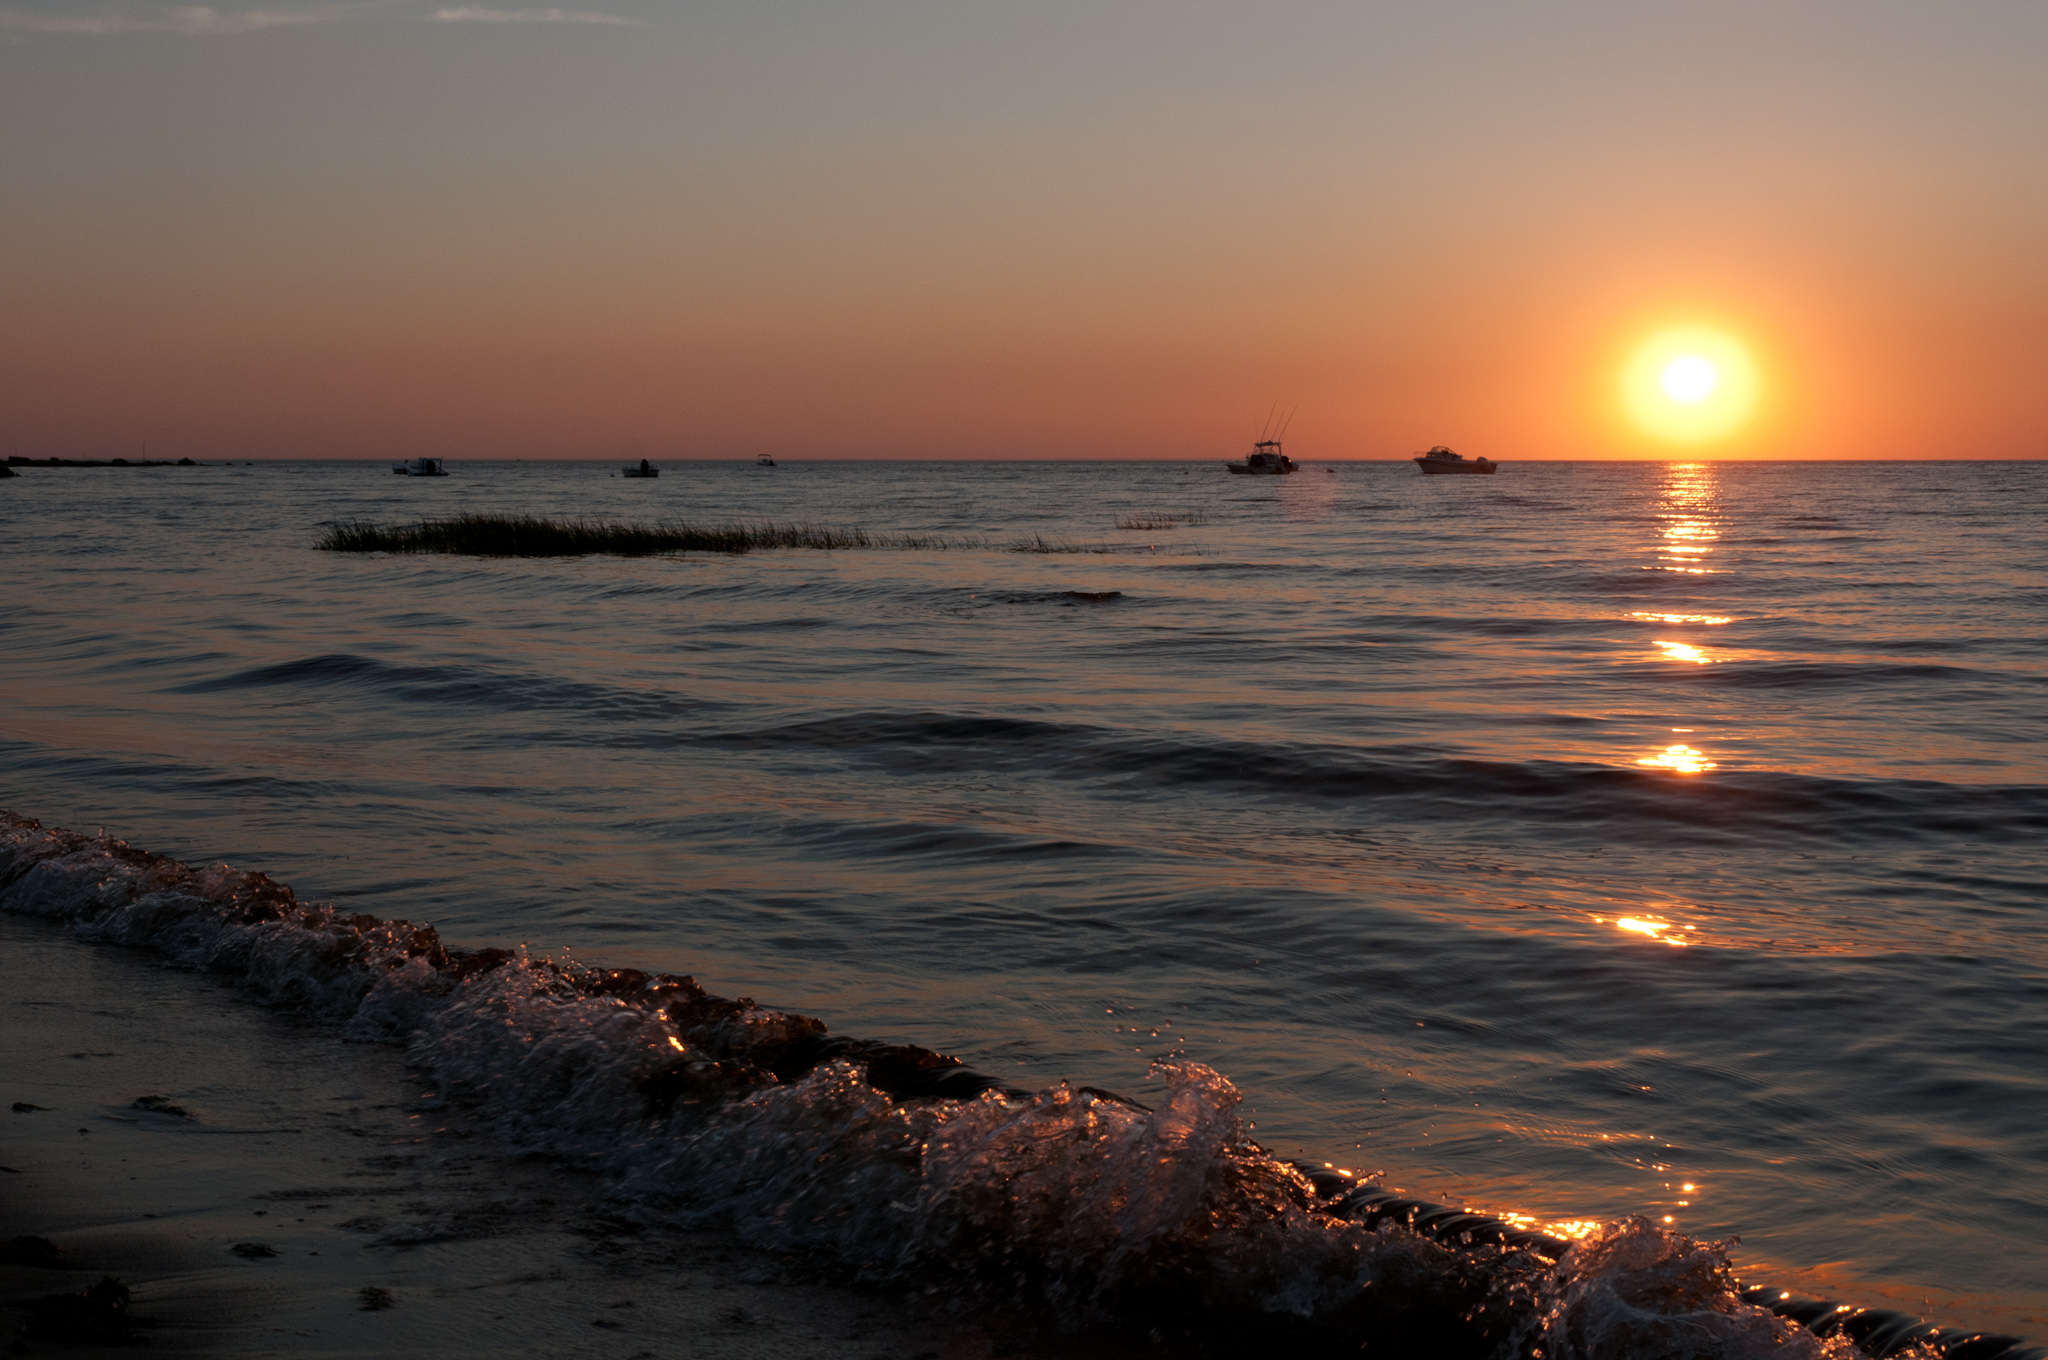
{"points": [[1587, 840]]}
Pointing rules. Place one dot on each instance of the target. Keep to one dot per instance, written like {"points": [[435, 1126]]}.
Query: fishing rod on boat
{"points": [[1266, 425]]}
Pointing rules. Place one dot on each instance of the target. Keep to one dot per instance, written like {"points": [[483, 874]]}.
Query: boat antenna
{"points": [[1267, 423], [1282, 432]]}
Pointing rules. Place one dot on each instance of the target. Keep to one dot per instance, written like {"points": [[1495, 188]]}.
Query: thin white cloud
{"points": [[193, 20], [477, 14]]}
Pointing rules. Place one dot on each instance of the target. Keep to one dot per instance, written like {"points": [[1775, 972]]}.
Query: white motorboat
{"points": [[646, 469], [420, 467], [1441, 459]]}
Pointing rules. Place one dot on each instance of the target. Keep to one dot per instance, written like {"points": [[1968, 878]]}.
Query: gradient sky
{"points": [[1059, 229]]}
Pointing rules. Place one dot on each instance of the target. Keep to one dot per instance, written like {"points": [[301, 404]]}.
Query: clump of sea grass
{"points": [[537, 536], [1165, 519], [1039, 543]]}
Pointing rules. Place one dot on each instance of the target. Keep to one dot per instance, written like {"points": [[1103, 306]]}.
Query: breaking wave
{"points": [[898, 1166]]}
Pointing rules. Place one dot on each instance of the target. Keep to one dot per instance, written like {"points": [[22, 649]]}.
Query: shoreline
{"points": [[276, 1134]]}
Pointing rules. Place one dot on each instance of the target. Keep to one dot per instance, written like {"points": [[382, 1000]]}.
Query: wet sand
{"points": [[323, 1162]]}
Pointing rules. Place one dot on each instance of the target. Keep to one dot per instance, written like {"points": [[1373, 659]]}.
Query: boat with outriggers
{"points": [[1265, 459], [1441, 459], [420, 467], [646, 469]]}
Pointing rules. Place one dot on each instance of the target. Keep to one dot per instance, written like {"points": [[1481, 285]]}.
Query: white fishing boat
{"points": [[1441, 459], [646, 469], [1265, 459], [420, 467]]}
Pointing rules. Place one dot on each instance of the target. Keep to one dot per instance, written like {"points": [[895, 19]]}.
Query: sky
{"points": [[1111, 229]]}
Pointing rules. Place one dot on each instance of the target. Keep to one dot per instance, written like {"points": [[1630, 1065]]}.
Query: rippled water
{"points": [[1587, 840]]}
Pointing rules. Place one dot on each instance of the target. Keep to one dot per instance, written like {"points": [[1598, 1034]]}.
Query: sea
{"points": [[1606, 846]]}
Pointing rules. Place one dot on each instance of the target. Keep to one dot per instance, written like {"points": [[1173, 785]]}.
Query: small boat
{"points": [[764, 461], [1265, 458], [420, 467], [646, 469], [1441, 459]]}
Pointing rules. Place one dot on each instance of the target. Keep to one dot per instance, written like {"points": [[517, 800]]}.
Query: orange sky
{"points": [[1107, 230]]}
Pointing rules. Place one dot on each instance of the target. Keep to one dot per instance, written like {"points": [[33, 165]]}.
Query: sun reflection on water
{"points": [[1660, 931], [1708, 619], [1689, 521], [1690, 515], [1571, 1229], [1678, 757]]}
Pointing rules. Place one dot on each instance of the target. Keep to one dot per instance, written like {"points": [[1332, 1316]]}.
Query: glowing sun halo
{"points": [[1689, 385]]}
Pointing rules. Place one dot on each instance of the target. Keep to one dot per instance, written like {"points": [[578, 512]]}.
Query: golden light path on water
{"points": [[1690, 529]]}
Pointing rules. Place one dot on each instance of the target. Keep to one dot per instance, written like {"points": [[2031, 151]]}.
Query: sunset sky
{"points": [[1060, 229]]}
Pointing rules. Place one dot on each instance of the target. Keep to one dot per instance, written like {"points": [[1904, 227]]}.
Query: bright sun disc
{"points": [[1689, 378], [1689, 386]]}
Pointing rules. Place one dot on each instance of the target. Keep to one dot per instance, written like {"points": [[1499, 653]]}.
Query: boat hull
{"points": [[1482, 469]]}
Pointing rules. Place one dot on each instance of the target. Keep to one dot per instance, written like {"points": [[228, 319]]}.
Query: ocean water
{"points": [[1587, 841]]}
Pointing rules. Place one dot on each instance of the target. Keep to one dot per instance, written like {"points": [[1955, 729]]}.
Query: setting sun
{"points": [[1689, 386], [1690, 378]]}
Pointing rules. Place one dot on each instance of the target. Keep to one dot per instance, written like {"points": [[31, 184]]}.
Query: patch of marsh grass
{"points": [[538, 536], [1039, 543], [1170, 519]]}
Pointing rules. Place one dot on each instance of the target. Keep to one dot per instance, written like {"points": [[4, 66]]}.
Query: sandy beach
{"points": [[263, 1188]]}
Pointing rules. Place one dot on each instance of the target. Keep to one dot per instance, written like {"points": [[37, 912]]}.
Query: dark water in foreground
{"points": [[1584, 841]]}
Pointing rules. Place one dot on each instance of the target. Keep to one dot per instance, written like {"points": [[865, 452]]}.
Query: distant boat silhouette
{"points": [[1265, 458], [1441, 459]]}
